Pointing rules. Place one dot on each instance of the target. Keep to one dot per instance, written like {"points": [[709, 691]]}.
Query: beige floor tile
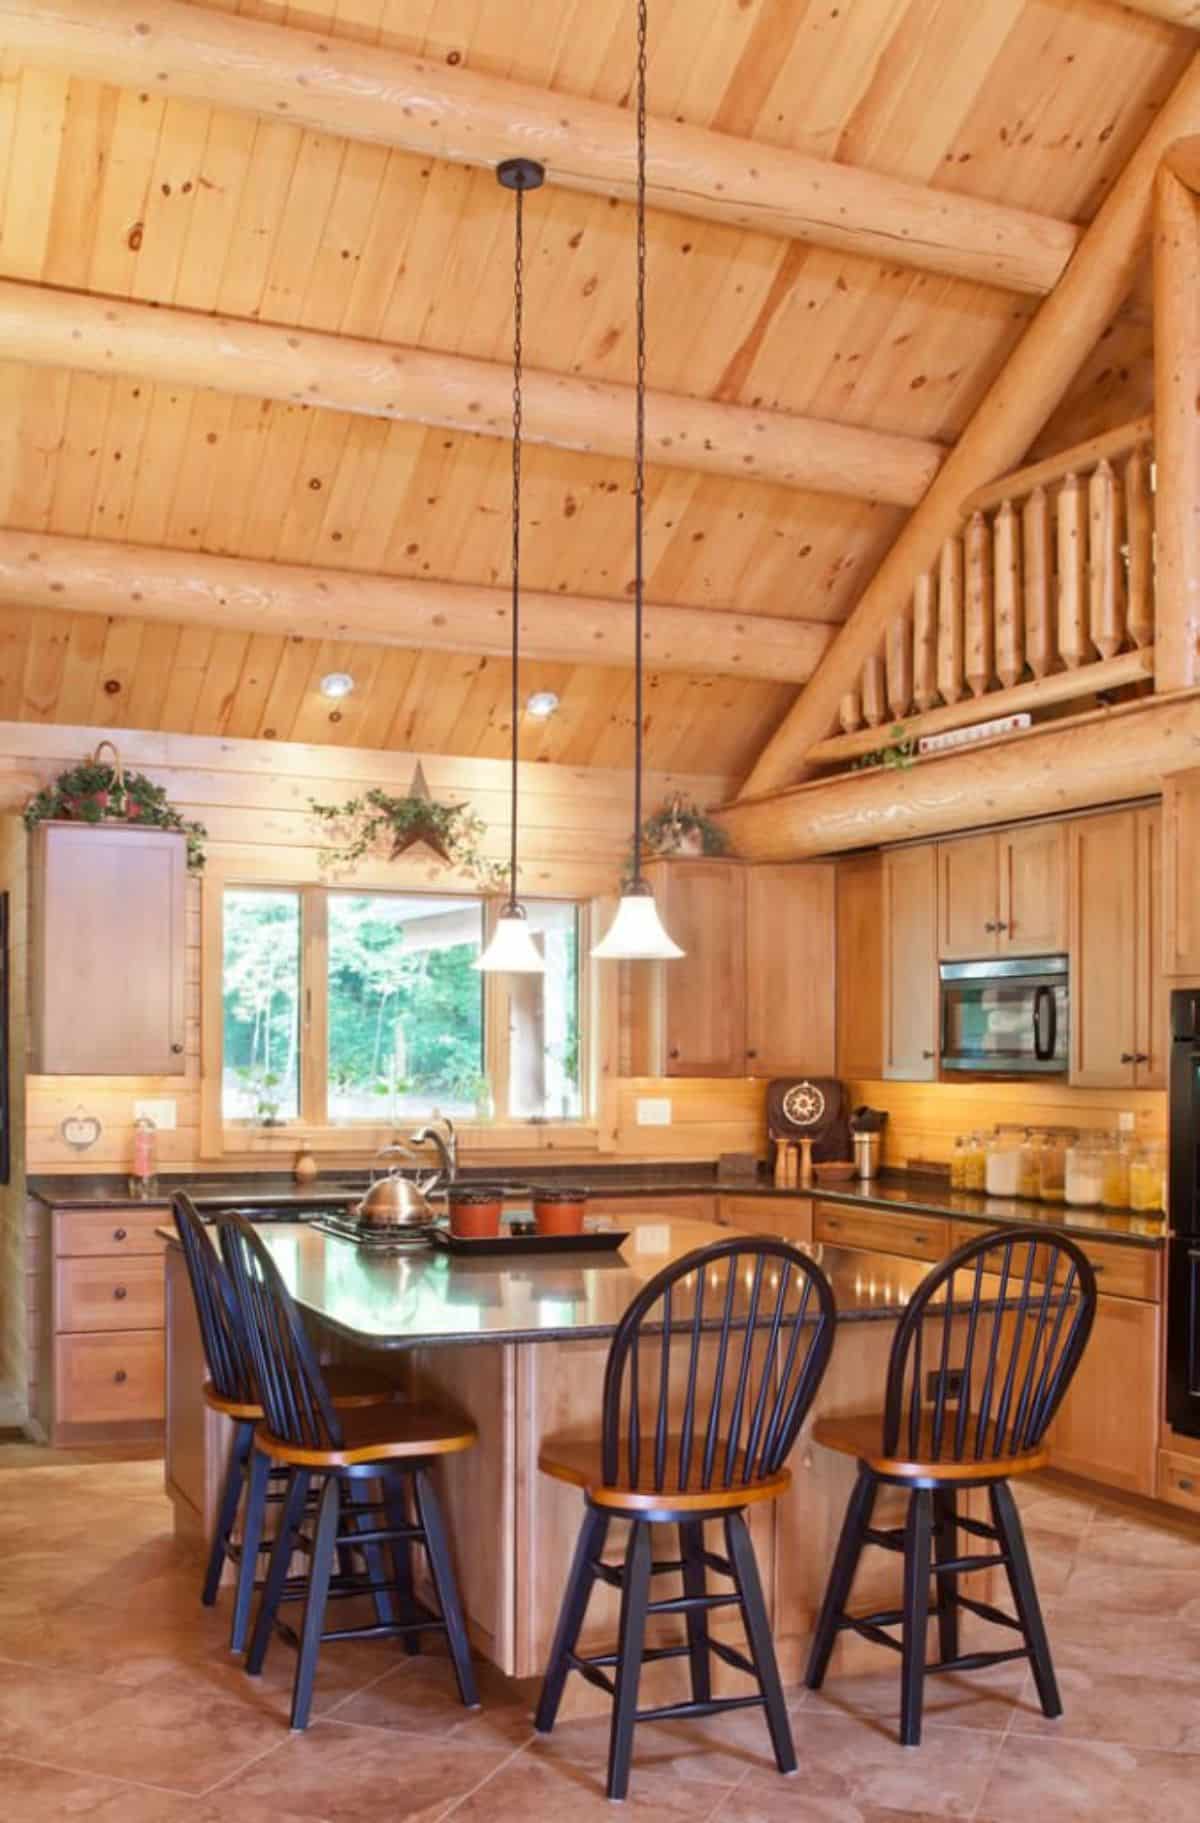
{"points": [[38, 1707], [533, 1789], [132, 1647], [345, 1775], [1132, 1703], [421, 1697], [1130, 1545], [975, 1699], [1080, 1782], [33, 1793], [1107, 1590], [720, 1750], [856, 1761], [791, 1802]]}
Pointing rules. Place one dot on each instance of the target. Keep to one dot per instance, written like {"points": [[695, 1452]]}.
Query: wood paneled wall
{"points": [[924, 1119], [17, 1263]]}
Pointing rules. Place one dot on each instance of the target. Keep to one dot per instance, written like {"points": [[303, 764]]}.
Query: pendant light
{"points": [[512, 950], [636, 933]]}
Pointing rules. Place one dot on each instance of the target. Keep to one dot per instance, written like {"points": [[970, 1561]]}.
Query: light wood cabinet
{"points": [[1107, 1429], [625, 1211], [1118, 995], [689, 1016], [910, 1006], [790, 949], [107, 939], [914, 1237], [860, 967], [1003, 894], [1181, 870], [789, 1217]]}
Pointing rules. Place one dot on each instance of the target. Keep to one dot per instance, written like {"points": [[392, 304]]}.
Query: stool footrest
{"points": [[690, 1604], [979, 1661], [985, 1611], [963, 1566], [686, 1711], [978, 1528], [592, 1672], [731, 1656], [892, 1540]]}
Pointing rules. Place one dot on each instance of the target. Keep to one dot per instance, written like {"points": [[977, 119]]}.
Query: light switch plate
{"points": [[653, 1111], [162, 1113]]}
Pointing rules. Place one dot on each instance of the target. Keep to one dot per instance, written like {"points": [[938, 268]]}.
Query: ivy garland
{"points": [[452, 831], [95, 792]]}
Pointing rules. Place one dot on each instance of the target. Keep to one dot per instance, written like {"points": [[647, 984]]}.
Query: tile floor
{"points": [[119, 1702]]}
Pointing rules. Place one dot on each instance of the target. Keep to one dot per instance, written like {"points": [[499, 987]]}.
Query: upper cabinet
{"points": [[754, 993], [860, 966], [107, 938], [1118, 995], [1003, 894], [790, 950], [1181, 870], [910, 931]]}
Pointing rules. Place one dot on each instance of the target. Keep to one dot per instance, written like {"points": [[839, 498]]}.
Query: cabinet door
{"points": [[1152, 998], [703, 1006], [788, 1216], [910, 964], [1181, 869], [790, 986], [1104, 916], [1107, 1429], [860, 967], [108, 936], [967, 897], [1033, 891]]}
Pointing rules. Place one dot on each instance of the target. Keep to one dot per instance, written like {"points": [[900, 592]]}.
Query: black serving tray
{"points": [[512, 1246]]}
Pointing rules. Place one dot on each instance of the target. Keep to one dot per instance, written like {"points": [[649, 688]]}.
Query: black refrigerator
{"points": [[1183, 1262]]}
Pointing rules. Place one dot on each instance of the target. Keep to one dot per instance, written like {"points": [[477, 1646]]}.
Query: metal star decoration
{"points": [[426, 830]]}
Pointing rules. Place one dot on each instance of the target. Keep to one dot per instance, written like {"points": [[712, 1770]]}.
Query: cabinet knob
{"points": [[929, 1053], [120, 1376], [1141, 1057], [119, 1292], [1185, 1484], [991, 925], [177, 1049], [120, 1234], [1128, 1057], [752, 1053], [674, 1051], [1001, 925]]}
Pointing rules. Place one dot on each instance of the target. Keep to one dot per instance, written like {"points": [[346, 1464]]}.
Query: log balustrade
{"points": [[1044, 594]]}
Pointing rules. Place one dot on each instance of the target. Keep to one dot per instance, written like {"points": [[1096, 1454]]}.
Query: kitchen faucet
{"points": [[440, 1133]]}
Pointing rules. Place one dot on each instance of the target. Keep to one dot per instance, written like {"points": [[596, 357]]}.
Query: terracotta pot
{"points": [[474, 1214], [559, 1211]]}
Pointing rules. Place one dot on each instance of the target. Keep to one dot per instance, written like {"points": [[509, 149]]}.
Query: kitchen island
{"points": [[520, 1348]]}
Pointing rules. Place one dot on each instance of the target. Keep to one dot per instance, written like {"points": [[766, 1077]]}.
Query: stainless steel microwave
{"points": [[1006, 1016]]}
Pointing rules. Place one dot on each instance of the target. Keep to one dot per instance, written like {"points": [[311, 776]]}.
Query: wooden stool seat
{"points": [[377, 1433], [348, 1386], [863, 1439], [578, 1462]]}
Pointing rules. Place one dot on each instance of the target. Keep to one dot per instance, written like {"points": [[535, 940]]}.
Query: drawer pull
{"points": [[120, 1376], [1185, 1484], [119, 1292], [832, 1222], [120, 1234], [919, 1240]]}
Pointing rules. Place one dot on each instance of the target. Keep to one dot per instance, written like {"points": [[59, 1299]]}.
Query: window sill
{"points": [[474, 1138]]}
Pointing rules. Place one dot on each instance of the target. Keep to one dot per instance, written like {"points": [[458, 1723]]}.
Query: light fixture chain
{"points": [[518, 357], [639, 448]]}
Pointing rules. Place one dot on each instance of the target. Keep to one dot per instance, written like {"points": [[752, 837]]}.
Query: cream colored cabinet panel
{"points": [[1032, 906], [1153, 999], [108, 931], [967, 898], [860, 967], [1107, 1429], [1104, 919], [910, 878], [790, 975], [1181, 870], [689, 1016]]}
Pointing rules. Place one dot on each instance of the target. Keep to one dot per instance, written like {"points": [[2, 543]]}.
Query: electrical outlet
{"points": [[653, 1111], [162, 1113], [1127, 1121]]}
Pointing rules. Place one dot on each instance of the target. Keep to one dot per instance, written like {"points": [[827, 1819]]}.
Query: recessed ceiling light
{"points": [[337, 684], [542, 703]]}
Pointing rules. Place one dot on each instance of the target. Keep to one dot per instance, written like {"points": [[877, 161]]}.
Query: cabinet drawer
{"points": [[86, 1231], [1179, 1480], [104, 1293], [625, 1211], [1121, 1272], [789, 1217], [915, 1236], [108, 1379]]}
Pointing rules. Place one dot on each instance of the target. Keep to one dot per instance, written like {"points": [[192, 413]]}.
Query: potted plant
{"points": [[99, 791], [451, 832], [681, 828], [264, 1087]]}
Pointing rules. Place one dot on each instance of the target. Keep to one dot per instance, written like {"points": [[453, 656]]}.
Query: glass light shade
{"points": [[512, 950], [636, 933]]}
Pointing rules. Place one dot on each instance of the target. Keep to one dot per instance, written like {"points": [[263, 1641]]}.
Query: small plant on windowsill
{"points": [[264, 1087], [474, 1086]]}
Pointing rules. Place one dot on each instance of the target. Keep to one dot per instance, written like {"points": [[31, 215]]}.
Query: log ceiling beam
{"points": [[339, 373], [1035, 378], [372, 93], [1175, 12], [142, 582]]}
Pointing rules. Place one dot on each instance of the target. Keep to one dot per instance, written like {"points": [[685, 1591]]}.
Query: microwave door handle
{"points": [[1043, 1044]]}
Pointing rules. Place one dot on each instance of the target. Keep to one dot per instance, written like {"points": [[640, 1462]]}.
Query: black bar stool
{"points": [[303, 1432], [676, 1450], [962, 1411], [230, 1389]]}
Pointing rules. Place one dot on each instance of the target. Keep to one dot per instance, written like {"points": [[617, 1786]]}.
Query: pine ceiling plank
{"points": [[264, 196], [200, 476], [347, 498], [45, 662], [368, 538], [218, 688], [170, 200], [287, 690], [405, 196], [77, 470], [37, 402], [121, 209], [345, 720], [15, 627], [186, 679], [259, 666], [472, 256], [155, 663], [235, 504], [339, 253], [10, 99], [34, 152], [415, 510], [161, 452], [311, 720], [120, 459], [278, 479], [81, 668], [300, 527], [315, 179], [87, 133], [118, 663], [224, 168], [379, 706]]}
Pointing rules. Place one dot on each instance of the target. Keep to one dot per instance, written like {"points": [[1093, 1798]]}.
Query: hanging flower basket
{"points": [[101, 791], [392, 826]]}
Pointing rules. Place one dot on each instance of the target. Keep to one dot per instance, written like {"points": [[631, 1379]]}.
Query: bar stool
{"points": [[966, 1412], [677, 1450], [304, 1433], [230, 1390]]}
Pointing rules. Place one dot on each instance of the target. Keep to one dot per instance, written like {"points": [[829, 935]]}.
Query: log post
{"points": [[1073, 646], [1010, 621], [979, 615], [1139, 533], [1177, 433], [950, 622], [874, 693], [1106, 581], [851, 716], [1037, 580], [899, 667], [925, 641]]}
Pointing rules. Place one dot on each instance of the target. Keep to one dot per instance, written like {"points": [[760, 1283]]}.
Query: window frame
{"points": [[313, 1129]]}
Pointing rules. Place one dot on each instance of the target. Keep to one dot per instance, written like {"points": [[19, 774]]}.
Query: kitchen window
{"points": [[355, 1008]]}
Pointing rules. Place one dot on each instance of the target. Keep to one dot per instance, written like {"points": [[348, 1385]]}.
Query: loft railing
{"points": [[1044, 595]]}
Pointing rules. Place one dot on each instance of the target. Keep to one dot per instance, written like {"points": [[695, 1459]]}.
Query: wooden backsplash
{"points": [[925, 1118]]}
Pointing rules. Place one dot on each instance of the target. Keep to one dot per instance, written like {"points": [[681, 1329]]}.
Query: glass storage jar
{"points": [[1053, 1169], [1147, 1179], [958, 1164], [975, 1163], [1003, 1172], [1085, 1173], [1029, 1179], [1115, 1190]]}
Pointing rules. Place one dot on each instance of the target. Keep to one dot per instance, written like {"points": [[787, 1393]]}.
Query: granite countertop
{"points": [[903, 1192], [425, 1296]]}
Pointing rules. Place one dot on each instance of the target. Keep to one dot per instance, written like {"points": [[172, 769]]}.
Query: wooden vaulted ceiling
{"points": [[118, 192]]}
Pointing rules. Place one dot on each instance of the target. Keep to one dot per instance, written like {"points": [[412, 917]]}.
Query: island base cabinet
{"points": [[1107, 1430]]}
